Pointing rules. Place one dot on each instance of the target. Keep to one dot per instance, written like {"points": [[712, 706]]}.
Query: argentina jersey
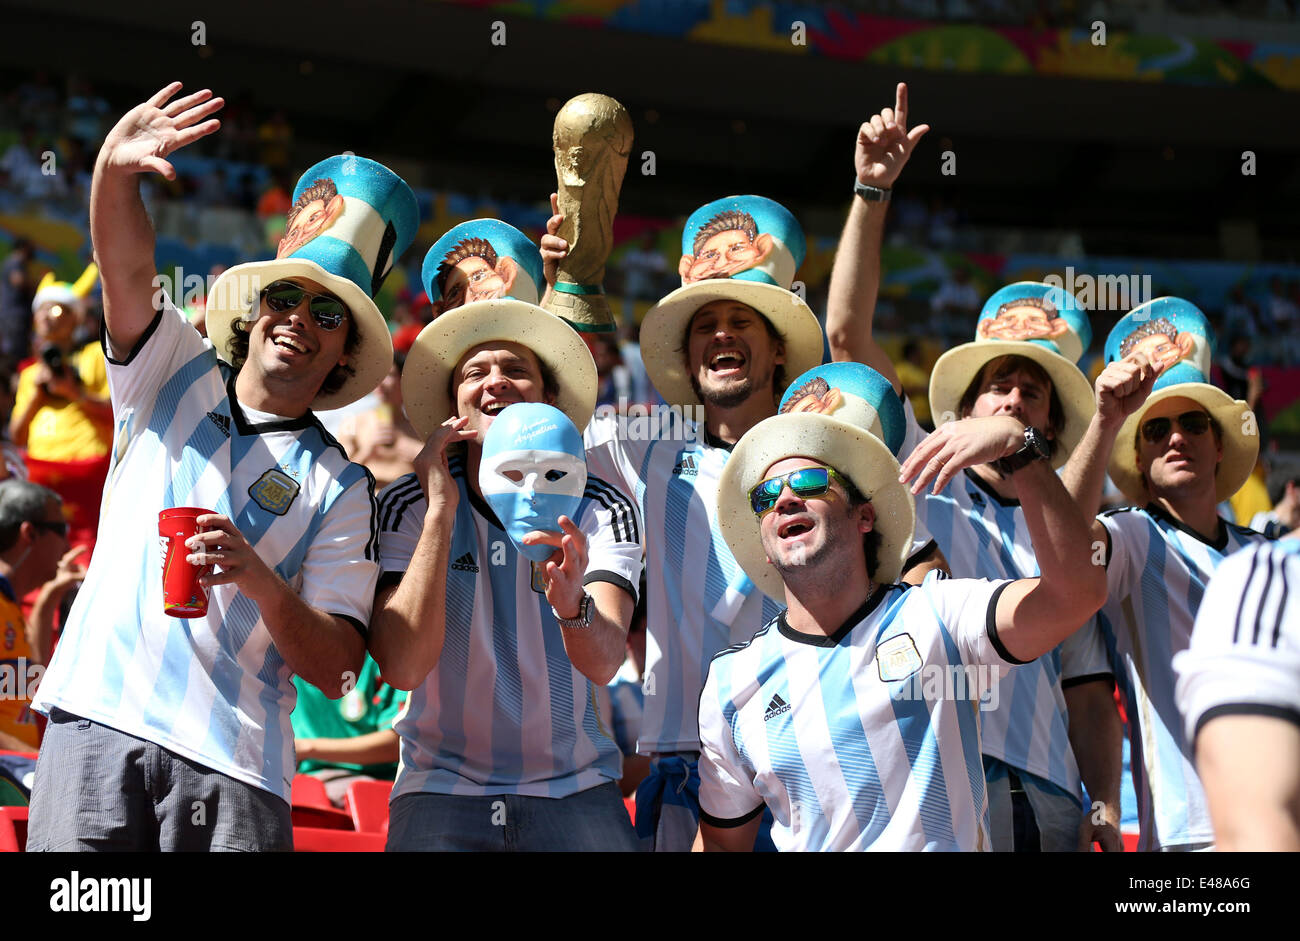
{"points": [[504, 711], [1156, 573], [1244, 657], [864, 739], [985, 536], [698, 599], [213, 689]]}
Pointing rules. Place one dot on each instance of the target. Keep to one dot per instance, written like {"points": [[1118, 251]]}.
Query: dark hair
{"points": [[21, 501], [465, 248], [323, 190], [1159, 326], [732, 220], [870, 541], [1004, 366], [237, 346]]}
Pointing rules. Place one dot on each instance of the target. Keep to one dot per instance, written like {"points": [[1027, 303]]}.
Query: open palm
{"points": [[147, 134], [885, 144]]}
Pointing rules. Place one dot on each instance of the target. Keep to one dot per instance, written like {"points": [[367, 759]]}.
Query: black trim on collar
{"points": [[821, 640], [1087, 678], [139, 344], [1220, 542], [992, 627], [731, 824], [714, 441], [305, 420], [988, 489]]}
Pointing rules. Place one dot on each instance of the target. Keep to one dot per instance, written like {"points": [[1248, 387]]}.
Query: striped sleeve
{"points": [[613, 528], [401, 517], [166, 345], [340, 568], [728, 797], [1244, 656]]}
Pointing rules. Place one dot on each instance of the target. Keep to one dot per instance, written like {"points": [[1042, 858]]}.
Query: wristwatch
{"points": [[1036, 448], [872, 194], [586, 609]]}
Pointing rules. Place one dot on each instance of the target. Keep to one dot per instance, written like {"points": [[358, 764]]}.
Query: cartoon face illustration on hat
{"points": [[534, 470], [1174, 336], [741, 234], [481, 260], [315, 210], [853, 393], [1034, 312], [1025, 318]]}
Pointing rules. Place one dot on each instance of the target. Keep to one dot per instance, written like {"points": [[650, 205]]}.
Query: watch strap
{"points": [[872, 194]]}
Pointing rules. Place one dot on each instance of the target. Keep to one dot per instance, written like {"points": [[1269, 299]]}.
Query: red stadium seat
{"points": [[367, 801], [317, 840], [630, 804], [13, 829], [309, 792]]}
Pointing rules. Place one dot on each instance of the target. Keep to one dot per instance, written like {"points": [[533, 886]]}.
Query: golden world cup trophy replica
{"points": [[592, 140]]}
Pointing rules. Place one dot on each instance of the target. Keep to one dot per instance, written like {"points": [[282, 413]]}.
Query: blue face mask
{"points": [[534, 470]]}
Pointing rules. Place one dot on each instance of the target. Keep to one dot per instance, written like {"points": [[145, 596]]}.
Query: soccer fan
{"points": [[1239, 695], [844, 715], [33, 554], [502, 747], [726, 345], [174, 734], [1175, 453]]}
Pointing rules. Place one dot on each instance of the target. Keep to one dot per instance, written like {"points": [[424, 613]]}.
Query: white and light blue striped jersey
{"points": [[214, 689], [626, 706], [983, 535], [864, 739], [504, 711], [1156, 572], [698, 599], [1244, 657]]}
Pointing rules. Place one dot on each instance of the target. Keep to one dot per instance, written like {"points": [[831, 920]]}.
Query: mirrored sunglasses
{"points": [[1191, 423], [328, 311], [804, 482]]}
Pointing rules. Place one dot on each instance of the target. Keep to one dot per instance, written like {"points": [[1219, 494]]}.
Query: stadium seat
{"points": [[311, 806], [318, 840], [309, 792], [13, 829], [367, 802]]}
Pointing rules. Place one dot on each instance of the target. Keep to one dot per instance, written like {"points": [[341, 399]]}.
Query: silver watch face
{"points": [[1036, 441]]}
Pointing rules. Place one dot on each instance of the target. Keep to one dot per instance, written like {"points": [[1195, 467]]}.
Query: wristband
{"points": [[872, 194]]}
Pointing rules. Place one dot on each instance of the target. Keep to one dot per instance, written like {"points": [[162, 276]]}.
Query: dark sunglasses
{"points": [[328, 311], [1191, 423], [805, 482], [59, 528]]}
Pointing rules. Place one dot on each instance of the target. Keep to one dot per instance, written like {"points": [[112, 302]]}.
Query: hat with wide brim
{"points": [[1240, 440], [366, 219], [663, 332], [426, 377], [235, 296], [851, 450], [956, 369]]}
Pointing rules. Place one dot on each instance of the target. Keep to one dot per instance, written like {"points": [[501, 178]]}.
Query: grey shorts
{"points": [[98, 789], [595, 819]]}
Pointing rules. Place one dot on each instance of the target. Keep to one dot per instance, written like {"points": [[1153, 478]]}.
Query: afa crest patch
{"points": [[897, 658], [274, 491]]}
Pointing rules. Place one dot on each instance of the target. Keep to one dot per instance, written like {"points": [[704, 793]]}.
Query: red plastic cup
{"points": [[183, 596]]}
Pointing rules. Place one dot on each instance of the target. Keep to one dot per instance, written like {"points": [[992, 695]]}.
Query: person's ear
{"points": [[507, 270], [866, 517], [1186, 344], [763, 244], [684, 266], [1057, 327]]}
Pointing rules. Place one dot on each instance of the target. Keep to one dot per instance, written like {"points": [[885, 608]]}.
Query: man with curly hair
{"points": [[727, 243]]}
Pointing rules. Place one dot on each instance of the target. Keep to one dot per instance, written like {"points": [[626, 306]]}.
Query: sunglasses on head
{"points": [[1191, 423], [328, 311], [804, 482]]}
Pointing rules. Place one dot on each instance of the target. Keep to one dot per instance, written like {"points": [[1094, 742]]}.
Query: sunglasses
{"points": [[59, 527], [1191, 423], [804, 482], [328, 311]]}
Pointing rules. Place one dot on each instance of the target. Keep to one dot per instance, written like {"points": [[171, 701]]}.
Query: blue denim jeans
{"points": [[98, 789], [591, 820]]}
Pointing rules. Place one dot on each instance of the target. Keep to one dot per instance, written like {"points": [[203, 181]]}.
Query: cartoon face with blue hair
{"points": [[728, 243], [1025, 318], [533, 471], [472, 271], [313, 212]]}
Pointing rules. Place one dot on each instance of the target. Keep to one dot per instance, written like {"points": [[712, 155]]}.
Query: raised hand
{"points": [[431, 466], [553, 247], [885, 143], [150, 132], [566, 566], [1122, 387]]}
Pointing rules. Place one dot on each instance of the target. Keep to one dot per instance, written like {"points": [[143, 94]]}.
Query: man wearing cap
{"points": [[850, 715], [721, 348], [1178, 448], [502, 744], [167, 733], [1022, 363]]}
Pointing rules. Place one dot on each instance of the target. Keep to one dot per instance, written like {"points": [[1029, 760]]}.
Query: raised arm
{"points": [[119, 226], [1121, 389], [1034, 614], [883, 147], [409, 619]]}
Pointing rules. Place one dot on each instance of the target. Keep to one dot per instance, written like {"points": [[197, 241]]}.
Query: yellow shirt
{"points": [[1252, 498], [916, 383], [61, 430], [17, 675]]}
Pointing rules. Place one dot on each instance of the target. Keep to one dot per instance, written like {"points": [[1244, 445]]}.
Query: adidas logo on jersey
{"points": [[686, 467], [465, 564], [776, 707], [221, 421]]}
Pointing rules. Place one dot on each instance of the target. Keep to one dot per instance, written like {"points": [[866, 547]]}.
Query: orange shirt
{"points": [[17, 673]]}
